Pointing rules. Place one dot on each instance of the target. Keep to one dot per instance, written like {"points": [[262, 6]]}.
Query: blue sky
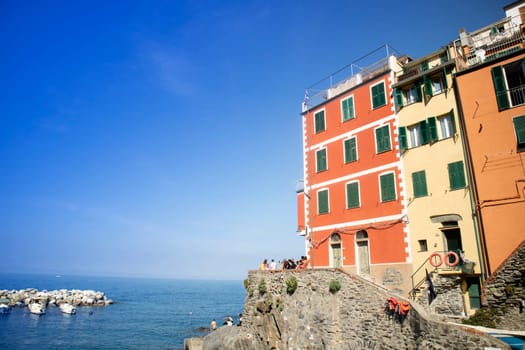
{"points": [[163, 138]]}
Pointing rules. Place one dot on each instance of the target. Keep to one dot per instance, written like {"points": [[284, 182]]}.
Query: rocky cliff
{"points": [[328, 309]]}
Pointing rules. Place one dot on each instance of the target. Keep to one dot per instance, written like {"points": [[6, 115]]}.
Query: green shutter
{"points": [[388, 187], [423, 132], [350, 150], [402, 138], [424, 66], [432, 129], [519, 128], [418, 92], [419, 183], [378, 95], [322, 202], [352, 195], [383, 139], [500, 88], [348, 109], [456, 175], [445, 84], [398, 93], [319, 122], [428, 85], [321, 160]]}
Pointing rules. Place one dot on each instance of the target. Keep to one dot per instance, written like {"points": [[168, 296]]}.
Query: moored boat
{"points": [[68, 308], [4, 306], [36, 308]]}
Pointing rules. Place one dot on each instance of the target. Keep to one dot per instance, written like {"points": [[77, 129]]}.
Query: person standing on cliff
{"points": [[213, 325]]}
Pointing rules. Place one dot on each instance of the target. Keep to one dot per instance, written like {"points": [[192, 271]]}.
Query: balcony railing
{"points": [[489, 43]]}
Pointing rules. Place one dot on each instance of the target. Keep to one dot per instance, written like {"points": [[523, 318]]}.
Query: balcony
{"points": [[489, 43]]}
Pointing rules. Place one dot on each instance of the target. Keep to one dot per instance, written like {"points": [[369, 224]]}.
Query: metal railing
{"points": [[353, 74]]}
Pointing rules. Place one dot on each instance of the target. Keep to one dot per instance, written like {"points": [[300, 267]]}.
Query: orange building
{"points": [[490, 90], [351, 205]]}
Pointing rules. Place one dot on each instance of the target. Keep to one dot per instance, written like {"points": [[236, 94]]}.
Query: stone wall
{"points": [[315, 318], [504, 291]]}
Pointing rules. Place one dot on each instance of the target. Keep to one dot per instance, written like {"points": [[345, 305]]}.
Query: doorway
{"points": [[335, 250], [363, 252]]}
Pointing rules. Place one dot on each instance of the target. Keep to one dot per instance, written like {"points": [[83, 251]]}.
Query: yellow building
{"points": [[442, 233]]}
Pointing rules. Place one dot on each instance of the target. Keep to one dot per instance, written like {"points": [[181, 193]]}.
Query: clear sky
{"points": [[163, 138]]}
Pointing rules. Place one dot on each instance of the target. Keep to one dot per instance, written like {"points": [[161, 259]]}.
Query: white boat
{"points": [[36, 308], [4, 309], [68, 308]]}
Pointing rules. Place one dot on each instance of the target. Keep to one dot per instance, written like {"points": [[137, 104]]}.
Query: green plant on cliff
{"points": [[483, 317], [262, 287], [246, 283], [291, 285], [334, 286]]}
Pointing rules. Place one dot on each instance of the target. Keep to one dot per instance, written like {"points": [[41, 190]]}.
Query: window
{"points": [[347, 108], [509, 84], [445, 126], [388, 187], [411, 95], [350, 148], [419, 182], [378, 95], [352, 195], [456, 175], [320, 160], [519, 129], [422, 245], [322, 202], [383, 139], [418, 134], [319, 122], [437, 83]]}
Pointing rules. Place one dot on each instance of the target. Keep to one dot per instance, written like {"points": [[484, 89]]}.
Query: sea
{"points": [[147, 313]]}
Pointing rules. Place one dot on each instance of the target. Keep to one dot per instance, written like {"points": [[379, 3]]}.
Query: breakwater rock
{"points": [[74, 297]]}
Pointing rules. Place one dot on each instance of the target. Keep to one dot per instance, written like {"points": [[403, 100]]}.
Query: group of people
{"points": [[228, 321], [285, 264]]}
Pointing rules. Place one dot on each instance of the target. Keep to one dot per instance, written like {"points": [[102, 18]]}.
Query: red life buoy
{"points": [[435, 259], [454, 262]]}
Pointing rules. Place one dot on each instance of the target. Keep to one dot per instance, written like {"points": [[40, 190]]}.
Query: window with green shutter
{"points": [[322, 202], [347, 106], [321, 160], [500, 88], [383, 139], [428, 86], [378, 95], [398, 95], [352, 195], [423, 132], [519, 129], [403, 144], [432, 129], [419, 183], [424, 66], [350, 146], [388, 187], [456, 175], [319, 122]]}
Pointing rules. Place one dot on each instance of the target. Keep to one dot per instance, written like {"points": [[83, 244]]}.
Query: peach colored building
{"points": [[490, 89]]}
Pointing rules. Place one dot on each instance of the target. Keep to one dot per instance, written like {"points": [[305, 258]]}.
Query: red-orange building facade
{"points": [[351, 207]]}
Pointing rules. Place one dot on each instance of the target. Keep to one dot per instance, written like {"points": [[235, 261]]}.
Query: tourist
{"points": [[273, 265], [263, 265], [213, 325]]}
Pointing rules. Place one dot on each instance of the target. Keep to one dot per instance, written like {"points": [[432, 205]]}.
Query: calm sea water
{"points": [[147, 313]]}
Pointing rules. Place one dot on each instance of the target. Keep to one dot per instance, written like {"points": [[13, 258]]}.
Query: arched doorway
{"points": [[335, 250], [363, 253]]}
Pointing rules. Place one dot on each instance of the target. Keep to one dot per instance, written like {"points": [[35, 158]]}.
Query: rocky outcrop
{"points": [[56, 297], [328, 309]]}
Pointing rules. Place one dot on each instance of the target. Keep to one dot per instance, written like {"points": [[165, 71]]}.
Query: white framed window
{"points": [[445, 126], [411, 95], [437, 85], [323, 201], [347, 108], [414, 131]]}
